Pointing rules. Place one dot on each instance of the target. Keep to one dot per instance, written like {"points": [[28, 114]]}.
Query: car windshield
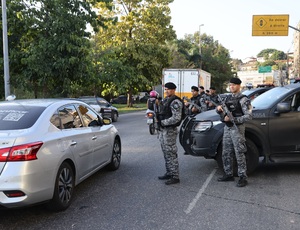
{"points": [[14, 117], [266, 99], [102, 101], [247, 92]]}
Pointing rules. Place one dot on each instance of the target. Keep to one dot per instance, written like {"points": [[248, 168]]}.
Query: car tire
{"points": [[252, 158], [114, 116], [63, 188], [116, 156]]}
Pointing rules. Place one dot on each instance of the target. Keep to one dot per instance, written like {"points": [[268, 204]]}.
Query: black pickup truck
{"points": [[273, 133]]}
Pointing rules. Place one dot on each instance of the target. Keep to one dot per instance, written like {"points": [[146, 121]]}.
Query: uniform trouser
{"points": [[167, 138], [234, 142]]}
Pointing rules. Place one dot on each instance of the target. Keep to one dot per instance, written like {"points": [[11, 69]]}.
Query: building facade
{"points": [[296, 66]]}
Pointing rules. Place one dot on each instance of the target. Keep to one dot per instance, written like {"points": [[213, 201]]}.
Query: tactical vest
{"points": [[196, 99], [234, 105], [166, 111], [151, 103]]}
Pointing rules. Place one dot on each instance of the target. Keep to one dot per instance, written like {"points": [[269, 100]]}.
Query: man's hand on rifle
{"points": [[195, 110], [186, 104], [221, 110]]}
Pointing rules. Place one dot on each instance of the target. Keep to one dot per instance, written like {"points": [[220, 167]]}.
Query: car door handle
{"points": [[94, 137], [73, 143]]}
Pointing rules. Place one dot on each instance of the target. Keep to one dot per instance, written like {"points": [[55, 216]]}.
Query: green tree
{"points": [[215, 58], [271, 57], [180, 55], [131, 50], [16, 29], [49, 45]]}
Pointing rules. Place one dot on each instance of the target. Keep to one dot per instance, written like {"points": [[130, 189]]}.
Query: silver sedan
{"points": [[48, 146]]}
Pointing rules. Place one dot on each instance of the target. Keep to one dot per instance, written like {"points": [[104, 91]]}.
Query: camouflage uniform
{"points": [[194, 100], [203, 105], [234, 140], [167, 137]]}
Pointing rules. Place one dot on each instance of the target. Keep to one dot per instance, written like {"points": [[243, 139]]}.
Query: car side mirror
{"points": [[106, 121], [283, 107]]}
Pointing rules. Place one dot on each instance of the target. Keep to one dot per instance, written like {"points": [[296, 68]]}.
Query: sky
{"points": [[230, 23]]}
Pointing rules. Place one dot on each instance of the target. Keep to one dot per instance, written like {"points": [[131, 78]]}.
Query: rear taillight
{"points": [[25, 152], [150, 115], [12, 194]]}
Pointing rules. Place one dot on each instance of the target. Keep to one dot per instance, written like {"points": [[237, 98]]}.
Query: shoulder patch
{"points": [[175, 105]]}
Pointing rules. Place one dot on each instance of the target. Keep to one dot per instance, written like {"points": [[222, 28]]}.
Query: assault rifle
{"points": [[192, 104], [226, 111]]}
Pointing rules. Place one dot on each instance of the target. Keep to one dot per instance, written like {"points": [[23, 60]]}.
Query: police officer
{"points": [[201, 91], [234, 141], [212, 99], [194, 106], [203, 99], [169, 118]]}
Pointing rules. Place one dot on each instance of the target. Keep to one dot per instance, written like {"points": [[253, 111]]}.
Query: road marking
{"points": [[201, 191]]}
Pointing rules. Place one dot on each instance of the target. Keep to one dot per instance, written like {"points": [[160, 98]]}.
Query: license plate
{"points": [[149, 121]]}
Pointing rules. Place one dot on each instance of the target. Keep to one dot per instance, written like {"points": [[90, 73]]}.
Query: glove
{"points": [[159, 125]]}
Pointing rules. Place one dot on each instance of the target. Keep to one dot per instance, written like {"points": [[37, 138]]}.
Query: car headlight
{"points": [[202, 126], [216, 123]]}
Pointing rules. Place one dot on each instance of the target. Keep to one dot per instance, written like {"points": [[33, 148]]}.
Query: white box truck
{"points": [[184, 79]]}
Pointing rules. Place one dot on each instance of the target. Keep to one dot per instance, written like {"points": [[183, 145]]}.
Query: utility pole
{"points": [[5, 50], [200, 54]]}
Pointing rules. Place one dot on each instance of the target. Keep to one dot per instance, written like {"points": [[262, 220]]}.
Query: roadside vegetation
{"points": [[125, 109], [123, 50]]}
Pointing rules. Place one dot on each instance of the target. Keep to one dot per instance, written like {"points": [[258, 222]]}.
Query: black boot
{"points": [[226, 178], [164, 177], [172, 181], [242, 182]]}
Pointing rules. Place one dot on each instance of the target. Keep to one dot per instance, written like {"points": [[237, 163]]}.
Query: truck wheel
{"points": [[252, 158]]}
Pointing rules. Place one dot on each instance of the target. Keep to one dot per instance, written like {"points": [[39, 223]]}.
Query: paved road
{"points": [[133, 198]]}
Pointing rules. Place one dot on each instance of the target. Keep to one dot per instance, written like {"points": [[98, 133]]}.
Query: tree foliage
{"points": [[131, 51], [214, 57], [49, 45], [271, 56]]}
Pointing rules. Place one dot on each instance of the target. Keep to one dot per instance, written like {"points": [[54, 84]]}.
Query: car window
{"points": [[13, 117], [295, 105], [89, 117], [69, 117], [268, 98], [102, 102], [56, 121]]}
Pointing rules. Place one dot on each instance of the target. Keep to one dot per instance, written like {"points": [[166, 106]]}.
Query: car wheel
{"points": [[252, 158], [63, 188], [116, 156], [114, 116]]}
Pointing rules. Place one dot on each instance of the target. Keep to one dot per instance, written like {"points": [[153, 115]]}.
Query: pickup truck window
{"points": [[269, 97]]}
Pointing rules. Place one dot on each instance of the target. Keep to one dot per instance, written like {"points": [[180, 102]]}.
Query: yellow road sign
{"points": [[270, 25]]}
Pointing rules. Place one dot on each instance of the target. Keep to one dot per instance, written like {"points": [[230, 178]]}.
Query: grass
{"points": [[136, 107]]}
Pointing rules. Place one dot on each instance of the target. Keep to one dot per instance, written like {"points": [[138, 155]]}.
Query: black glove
{"points": [[159, 124]]}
